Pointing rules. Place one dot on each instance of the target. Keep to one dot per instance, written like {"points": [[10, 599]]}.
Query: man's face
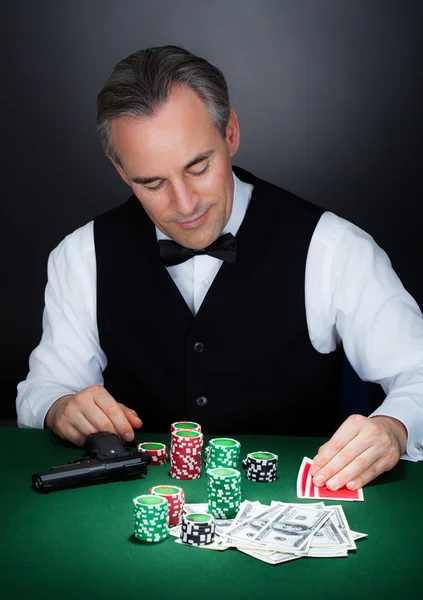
{"points": [[179, 167]]}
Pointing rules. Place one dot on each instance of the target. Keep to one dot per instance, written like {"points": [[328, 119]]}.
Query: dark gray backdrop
{"points": [[328, 95]]}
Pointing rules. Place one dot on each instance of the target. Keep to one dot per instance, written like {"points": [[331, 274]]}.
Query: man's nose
{"points": [[183, 198]]}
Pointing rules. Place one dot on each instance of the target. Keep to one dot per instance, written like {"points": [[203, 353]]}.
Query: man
{"points": [[244, 339]]}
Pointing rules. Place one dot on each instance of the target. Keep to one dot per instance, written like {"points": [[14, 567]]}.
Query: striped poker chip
{"points": [[175, 498], [202, 540], [151, 518], [185, 454], [198, 529], [261, 467], [222, 452], [190, 425], [156, 451], [223, 492]]}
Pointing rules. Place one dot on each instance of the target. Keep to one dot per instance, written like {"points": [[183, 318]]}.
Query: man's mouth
{"points": [[195, 222]]}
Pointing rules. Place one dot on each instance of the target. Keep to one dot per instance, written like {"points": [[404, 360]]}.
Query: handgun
{"points": [[106, 458]]}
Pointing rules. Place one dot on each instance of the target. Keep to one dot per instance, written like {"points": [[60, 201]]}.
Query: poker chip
{"points": [[151, 518], [156, 451], [261, 467], [222, 452], [223, 492], [185, 454], [190, 425], [198, 529], [176, 499]]}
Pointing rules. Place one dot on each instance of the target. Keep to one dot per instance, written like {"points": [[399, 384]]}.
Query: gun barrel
{"points": [[88, 471]]}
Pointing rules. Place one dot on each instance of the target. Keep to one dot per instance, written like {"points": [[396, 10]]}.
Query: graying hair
{"points": [[141, 83]]}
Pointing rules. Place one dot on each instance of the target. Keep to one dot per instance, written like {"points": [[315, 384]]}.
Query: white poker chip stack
{"points": [[198, 529], [185, 454]]}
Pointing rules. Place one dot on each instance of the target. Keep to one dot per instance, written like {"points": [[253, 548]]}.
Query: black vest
{"points": [[257, 371]]}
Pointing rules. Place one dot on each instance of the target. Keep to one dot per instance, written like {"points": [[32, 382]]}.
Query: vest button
{"points": [[202, 400], [198, 346]]}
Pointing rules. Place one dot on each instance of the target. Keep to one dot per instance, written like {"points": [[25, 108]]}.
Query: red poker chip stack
{"points": [[185, 454], [190, 425], [176, 499], [156, 451]]}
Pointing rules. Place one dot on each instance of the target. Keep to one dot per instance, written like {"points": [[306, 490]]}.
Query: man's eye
{"points": [[201, 172], [153, 189], [157, 187]]}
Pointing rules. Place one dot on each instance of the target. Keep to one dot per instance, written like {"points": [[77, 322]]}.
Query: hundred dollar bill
{"points": [[247, 510], [335, 532], [271, 557], [196, 508], [339, 519], [246, 530], [326, 552], [328, 536], [358, 536], [292, 528], [175, 531], [223, 525]]}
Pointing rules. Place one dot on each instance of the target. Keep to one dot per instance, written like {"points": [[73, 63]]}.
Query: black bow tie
{"points": [[173, 253]]}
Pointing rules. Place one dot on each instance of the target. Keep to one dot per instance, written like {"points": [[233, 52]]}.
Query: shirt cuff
{"points": [[32, 412], [409, 411]]}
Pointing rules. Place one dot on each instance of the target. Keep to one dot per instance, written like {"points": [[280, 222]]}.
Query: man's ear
{"points": [[119, 169], [232, 133]]}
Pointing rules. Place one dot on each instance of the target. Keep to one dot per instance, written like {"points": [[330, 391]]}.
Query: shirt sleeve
{"points": [[354, 295], [68, 357]]}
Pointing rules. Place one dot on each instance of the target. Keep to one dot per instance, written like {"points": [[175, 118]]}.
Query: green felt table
{"points": [[78, 543]]}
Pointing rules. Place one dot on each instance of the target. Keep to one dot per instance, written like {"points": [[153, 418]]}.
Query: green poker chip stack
{"points": [[222, 452], [223, 492], [151, 518]]}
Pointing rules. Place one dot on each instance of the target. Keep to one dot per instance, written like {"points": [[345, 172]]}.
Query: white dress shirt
{"points": [[351, 294]]}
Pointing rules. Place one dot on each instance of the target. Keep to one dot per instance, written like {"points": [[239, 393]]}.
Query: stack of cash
{"points": [[282, 532]]}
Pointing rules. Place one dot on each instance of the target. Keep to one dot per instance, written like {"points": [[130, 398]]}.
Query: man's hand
{"points": [[360, 450], [91, 410]]}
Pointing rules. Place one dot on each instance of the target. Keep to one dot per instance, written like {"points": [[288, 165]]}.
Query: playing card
{"points": [[302, 477], [341, 494], [306, 489]]}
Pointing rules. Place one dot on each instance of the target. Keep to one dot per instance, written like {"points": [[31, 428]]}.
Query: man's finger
{"points": [[72, 416], [135, 422], [351, 460], [346, 432], [71, 434], [376, 469], [115, 413], [362, 463], [132, 416], [97, 419]]}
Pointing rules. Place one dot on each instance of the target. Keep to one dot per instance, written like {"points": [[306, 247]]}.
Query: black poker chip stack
{"points": [[261, 467], [198, 529]]}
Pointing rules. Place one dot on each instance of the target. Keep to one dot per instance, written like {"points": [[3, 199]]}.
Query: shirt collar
{"points": [[242, 196]]}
